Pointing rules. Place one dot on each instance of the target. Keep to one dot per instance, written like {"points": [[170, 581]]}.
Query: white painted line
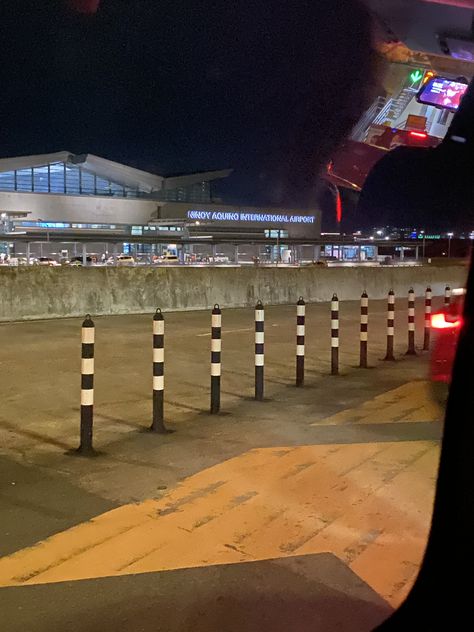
{"points": [[230, 331]]}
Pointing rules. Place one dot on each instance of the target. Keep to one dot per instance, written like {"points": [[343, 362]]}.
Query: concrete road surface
{"points": [[309, 510]]}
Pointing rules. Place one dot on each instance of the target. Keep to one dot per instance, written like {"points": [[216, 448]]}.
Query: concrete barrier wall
{"points": [[29, 293]]}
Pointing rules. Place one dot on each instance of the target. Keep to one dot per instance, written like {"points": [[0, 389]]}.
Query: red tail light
{"points": [[419, 134], [438, 321]]}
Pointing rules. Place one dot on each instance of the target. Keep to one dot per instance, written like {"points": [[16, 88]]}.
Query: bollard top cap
{"points": [[301, 301], [391, 292], [259, 304], [411, 291], [334, 297], [428, 289], [217, 309], [447, 287], [158, 315], [88, 322], [364, 294]]}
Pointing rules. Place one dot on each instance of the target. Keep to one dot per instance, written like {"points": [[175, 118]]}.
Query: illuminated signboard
{"points": [[237, 216], [415, 77]]}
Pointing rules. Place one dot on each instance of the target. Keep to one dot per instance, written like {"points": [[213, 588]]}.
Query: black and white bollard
{"points": [[411, 323], [364, 325], [426, 339], [447, 297], [334, 335], [87, 385], [259, 349], [390, 325], [300, 334], [158, 423], [216, 347]]}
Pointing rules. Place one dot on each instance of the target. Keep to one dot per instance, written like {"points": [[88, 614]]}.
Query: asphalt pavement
{"points": [[225, 574]]}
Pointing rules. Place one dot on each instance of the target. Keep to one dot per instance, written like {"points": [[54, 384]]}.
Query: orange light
{"points": [[428, 75], [438, 321], [419, 134]]}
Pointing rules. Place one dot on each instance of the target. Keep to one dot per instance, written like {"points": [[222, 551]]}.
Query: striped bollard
{"points": [[87, 385], [334, 335], [426, 340], [364, 324], [447, 297], [411, 323], [259, 349], [390, 325], [216, 346], [300, 334], [158, 422]]}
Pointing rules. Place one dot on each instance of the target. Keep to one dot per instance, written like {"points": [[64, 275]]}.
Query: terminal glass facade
{"points": [[67, 179]]}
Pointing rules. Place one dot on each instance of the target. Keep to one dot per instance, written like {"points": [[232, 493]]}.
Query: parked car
{"points": [[125, 260], [445, 325], [167, 258], [78, 261], [47, 261]]}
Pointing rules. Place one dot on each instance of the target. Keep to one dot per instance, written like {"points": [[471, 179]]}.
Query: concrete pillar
{"points": [[236, 253], [84, 254], [402, 253], [417, 250], [27, 253], [214, 252], [316, 253], [359, 253]]}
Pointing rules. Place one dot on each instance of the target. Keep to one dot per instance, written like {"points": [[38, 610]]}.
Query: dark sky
{"points": [[172, 86]]}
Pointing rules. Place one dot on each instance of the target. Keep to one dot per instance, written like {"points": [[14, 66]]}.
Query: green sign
{"points": [[416, 76]]}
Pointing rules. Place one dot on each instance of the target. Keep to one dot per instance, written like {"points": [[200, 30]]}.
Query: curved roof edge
{"points": [[114, 171]]}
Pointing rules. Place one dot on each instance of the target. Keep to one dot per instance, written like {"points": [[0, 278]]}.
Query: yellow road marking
{"points": [[410, 402], [364, 502]]}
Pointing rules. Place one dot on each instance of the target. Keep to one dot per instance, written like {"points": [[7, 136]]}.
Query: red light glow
{"points": [[338, 208], [438, 321], [419, 134]]}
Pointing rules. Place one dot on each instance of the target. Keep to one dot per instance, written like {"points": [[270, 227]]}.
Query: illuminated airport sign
{"points": [[244, 216]]}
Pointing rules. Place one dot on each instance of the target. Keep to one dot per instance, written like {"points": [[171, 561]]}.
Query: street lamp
{"points": [[450, 236], [423, 233]]}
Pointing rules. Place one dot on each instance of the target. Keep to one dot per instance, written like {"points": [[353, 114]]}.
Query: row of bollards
{"points": [[158, 421]]}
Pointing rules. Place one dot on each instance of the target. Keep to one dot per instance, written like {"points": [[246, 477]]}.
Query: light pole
{"points": [[450, 236], [423, 233]]}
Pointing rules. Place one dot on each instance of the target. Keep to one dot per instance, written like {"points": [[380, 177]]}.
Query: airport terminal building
{"points": [[76, 193]]}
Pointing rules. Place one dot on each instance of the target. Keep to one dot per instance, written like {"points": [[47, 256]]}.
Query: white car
{"points": [[47, 261]]}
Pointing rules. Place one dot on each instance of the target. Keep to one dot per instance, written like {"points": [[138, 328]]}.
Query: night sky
{"points": [[264, 87]]}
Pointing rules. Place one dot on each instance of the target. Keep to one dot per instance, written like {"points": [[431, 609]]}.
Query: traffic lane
{"points": [[41, 372], [304, 593]]}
